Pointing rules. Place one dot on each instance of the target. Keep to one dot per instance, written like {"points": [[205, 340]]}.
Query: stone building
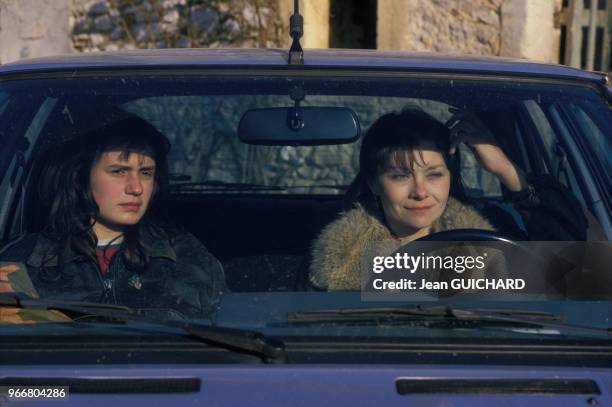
{"points": [[514, 28]]}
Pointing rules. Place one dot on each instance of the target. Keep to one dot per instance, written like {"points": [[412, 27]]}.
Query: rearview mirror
{"points": [[299, 126]]}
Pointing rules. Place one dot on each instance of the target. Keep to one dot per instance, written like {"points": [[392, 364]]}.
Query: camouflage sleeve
{"points": [[14, 278]]}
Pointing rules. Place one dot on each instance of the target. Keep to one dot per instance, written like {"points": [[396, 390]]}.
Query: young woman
{"points": [[103, 241], [408, 187]]}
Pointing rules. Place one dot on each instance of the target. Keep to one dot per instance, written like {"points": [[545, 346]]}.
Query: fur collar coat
{"points": [[337, 252]]}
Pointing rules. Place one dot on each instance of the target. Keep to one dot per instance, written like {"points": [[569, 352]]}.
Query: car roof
{"points": [[313, 58]]}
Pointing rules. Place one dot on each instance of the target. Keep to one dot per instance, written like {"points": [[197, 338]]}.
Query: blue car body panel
{"points": [[354, 59], [324, 385]]}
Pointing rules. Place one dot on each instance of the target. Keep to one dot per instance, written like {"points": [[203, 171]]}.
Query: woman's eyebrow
{"points": [[435, 167], [120, 166], [147, 167], [398, 169], [129, 167]]}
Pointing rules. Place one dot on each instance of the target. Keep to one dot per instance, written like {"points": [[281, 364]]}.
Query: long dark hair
{"points": [[391, 136], [72, 210]]}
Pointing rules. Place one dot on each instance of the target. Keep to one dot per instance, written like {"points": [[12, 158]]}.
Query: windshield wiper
{"points": [[79, 307], [253, 342], [445, 313]]}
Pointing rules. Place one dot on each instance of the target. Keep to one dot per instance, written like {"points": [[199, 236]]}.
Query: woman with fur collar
{"points": [[408, 187]]}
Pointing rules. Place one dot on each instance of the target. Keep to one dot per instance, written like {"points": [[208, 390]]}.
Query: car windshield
{"points": [[296, 250]]}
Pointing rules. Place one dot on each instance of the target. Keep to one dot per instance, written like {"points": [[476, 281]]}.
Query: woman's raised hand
{"points": [[466, 128]]}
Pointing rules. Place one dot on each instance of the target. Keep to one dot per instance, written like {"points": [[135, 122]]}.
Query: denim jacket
{"points": [[182, 276]]}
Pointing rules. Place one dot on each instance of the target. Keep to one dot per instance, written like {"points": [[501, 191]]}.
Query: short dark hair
{"points": [[388, 139], [65, 186]]}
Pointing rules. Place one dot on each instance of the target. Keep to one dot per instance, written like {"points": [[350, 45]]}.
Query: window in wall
{"points": [[352, 24]]}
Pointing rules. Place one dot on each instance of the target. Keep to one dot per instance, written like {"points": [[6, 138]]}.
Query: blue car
{"points": [[247, 306]]}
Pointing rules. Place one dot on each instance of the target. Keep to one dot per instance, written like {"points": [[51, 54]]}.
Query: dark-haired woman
{"points": [[103, 241], [408, 187]]}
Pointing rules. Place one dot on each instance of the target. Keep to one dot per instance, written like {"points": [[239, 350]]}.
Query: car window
{"points": [[3, 101], [201, 128], [554, 154], [596, 132], [259, 210], [479, 182], [10, 185]]}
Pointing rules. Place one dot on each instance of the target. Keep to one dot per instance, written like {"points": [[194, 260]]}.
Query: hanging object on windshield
{"points": [[296, 29]]}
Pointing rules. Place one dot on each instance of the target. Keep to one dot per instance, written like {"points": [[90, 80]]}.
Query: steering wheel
{"points": [[479, 235], [513, 250], [472, 235]]}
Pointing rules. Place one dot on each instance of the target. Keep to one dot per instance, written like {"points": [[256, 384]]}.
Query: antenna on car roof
{"points": [[296, 29]]}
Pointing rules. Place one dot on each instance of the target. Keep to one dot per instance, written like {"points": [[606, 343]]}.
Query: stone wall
{"points": [[510, 28], [529, 30], [127, 24], [29, 28], [514, 28], [472, 27]]}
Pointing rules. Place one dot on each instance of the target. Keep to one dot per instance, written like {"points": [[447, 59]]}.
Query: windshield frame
{"points": [[570, 135]]}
